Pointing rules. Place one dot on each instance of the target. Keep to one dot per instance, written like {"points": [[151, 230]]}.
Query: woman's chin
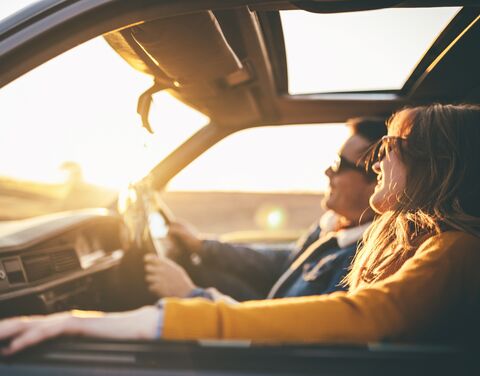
{"points": [[376, 202]]}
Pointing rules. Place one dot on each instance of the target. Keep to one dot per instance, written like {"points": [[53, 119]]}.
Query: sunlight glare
{"points": [[354, 51], [81, 107]]}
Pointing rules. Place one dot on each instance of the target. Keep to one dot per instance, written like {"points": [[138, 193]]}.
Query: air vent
{"points": [[46, 264], [37, 267], [65, 260]]}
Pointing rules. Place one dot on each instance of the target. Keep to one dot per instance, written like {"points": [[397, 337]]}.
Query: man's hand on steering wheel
{"points": [[165, 278], [185, 237]]}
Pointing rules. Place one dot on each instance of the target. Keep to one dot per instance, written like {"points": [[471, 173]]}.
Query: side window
{"points": [[262, 182], [70, 135]]}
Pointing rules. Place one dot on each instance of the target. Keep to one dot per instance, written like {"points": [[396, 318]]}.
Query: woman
{"points": [[414, 278]]}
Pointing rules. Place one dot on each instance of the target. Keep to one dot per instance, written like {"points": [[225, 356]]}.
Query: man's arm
{"points": [[260, 267]]}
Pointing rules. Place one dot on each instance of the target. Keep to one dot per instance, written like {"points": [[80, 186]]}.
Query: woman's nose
{"points": [[376, 167]]}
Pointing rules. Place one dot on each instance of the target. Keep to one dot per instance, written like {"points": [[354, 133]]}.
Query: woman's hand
{"points": [[166, 278], [27, 331]]}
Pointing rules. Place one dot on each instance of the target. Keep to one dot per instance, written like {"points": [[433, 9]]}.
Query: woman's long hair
{"points": [[442, 158]]}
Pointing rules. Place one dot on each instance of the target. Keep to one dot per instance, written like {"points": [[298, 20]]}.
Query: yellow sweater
{"points": [[434, 295]]}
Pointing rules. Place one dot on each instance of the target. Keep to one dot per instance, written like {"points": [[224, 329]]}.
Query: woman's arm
{"points": [[24, 332], [440, 284], [408, 303]]}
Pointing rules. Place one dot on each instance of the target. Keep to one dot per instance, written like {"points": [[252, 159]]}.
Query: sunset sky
{"points": [[81, 107]]}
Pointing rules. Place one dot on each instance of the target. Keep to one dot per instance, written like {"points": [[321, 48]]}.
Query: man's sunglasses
{"points": [[343, 164], [377, 152]]}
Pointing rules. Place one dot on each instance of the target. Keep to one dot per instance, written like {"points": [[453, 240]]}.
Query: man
{"points": [[316, 266]]}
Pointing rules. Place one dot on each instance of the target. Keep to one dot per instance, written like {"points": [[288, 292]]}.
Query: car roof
{"points": [[234, 68]]}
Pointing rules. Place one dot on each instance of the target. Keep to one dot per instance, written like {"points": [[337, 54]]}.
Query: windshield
{"points": [[71, 136]]}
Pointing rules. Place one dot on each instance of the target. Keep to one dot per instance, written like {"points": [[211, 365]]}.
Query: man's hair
{"points": [[370, 128]]}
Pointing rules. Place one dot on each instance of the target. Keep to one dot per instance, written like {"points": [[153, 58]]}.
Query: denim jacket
{"points": [[245, 273]]}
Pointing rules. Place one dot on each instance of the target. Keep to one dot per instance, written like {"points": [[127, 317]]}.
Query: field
{"points": [[221, 212], [210, 212], [22, 199]]}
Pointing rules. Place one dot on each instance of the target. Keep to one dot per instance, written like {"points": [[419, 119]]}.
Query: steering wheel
{"points": [[147, 219], [157, 224]]}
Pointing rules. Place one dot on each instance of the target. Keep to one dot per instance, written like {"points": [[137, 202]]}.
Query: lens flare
{"points": [[271, 217]]}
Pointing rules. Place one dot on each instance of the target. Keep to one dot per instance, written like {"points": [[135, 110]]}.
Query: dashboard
{"points": [[60, 261]]}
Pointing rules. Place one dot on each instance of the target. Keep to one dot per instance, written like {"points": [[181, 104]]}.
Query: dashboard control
{"points": [[61, 261], [14, 271]]}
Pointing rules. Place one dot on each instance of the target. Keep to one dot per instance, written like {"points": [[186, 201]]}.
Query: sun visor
{"points": [[190, 57], [121, 45], [188, 48], [235, 109]]}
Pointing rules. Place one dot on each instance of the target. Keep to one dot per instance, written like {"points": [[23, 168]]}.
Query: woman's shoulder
{"points": [[462, 242], [455, 236]]}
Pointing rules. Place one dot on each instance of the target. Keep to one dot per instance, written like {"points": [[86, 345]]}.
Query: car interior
{"points": [[227, 60]]}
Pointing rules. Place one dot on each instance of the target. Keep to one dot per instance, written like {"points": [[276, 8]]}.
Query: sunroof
{"points": [[358, 51]]}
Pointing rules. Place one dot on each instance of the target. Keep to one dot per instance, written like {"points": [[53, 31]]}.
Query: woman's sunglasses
{"points": [[379, 150], [384, 146]]}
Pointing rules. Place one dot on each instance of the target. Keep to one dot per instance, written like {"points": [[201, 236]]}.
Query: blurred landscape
{"points": [[210, 212], [221, 212], [23, 199]]}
